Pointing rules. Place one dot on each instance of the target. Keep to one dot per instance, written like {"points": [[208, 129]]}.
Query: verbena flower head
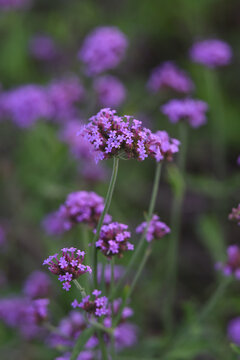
{"points": [[96, 305], [232, 265], [42, 47], [169, 76], [193, 111], [156, 229], [25, 105], [110, 91], [103, 49], [37, 285], [211, 53], [114, 240], [233, 330], [235, 214], [112, 135], [8, 5], [118, 272], [80, 207], [63, 94], [68, 265]]}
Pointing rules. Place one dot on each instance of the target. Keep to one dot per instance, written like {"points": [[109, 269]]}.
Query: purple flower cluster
{"points": [[114, 239], [42, 47], [233, 330], [103, 49], [37, 285], [68, 266], [156, 229], [24, 314], [232, 265], [193, 111], [83, 207], [235, 214], [97, 306], [14, 4], [211, 53], [112, 135], [110, 91], [169, 76]]}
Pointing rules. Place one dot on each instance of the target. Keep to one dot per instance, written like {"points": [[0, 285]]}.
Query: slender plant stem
{"points": [[171, 267], [105, 210], [143, 237], [102, 345], [112, 306], [80, 288]]}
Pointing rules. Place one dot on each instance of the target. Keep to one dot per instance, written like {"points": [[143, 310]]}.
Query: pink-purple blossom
{"points": [[211, 53], [233, 330], [42, 47], [8, 5], [235, 214], [37, 285], [103, 49], [68, 265], [190, 110], [110, 91], [232, 265], [169, 76], [94, 305], [155, 230]]}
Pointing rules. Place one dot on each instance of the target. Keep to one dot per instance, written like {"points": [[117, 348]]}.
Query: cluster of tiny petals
{"points": [[114, 239], [168, 75], [232, 265], [211, 53], [112, 135], [103, 49], [235, 214], [233, 330], [110, 90], [68, 265], [156, 229], [193, 111], [97, 306]]}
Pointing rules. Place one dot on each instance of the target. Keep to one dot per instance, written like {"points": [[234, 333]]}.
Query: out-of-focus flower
{"points": [[103, 49], [235, 214], [37, 285], [110, 91], [68, 266], [193, 111], [112, 135], [156, 229], [97, 306], [25, 105], [211, 53], [2, 236], [24, 314], [84, 355], [118, 272], [114, 239], [63, 94], [169, 76], [232, 265], [233, 330], [42, 47], [238, 160], [8, 5], [83, 207]]}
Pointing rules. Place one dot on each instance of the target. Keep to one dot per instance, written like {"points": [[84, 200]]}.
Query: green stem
{"points": [[105, 210], [112, 306], [102, 346], [143, 237], [80, 288], [171, 268]]}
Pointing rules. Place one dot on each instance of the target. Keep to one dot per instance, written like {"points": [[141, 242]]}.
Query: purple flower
{"points": [[114, 239], [53, 224], [68, 266], [193, 111], [169, 76], [97, 306], [235, 214], [156, 229], [238, 160], [125, 335], [232, 265], [103, 49], [233, 330], [37, 285], [211, 53], [8, 5], [2, 236], [110, 91], [112, 135], [118, 272], [42, 47], [25, 105]]}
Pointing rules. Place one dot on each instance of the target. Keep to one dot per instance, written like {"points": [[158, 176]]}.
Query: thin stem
{"points": [[80, 288], [105, 210], [171, 268], [143, 237], [102, 345], [112, 306]]}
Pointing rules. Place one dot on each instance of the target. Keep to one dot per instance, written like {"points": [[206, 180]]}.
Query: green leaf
{"points": [[176, 180], [82, 340], [235, 348]]}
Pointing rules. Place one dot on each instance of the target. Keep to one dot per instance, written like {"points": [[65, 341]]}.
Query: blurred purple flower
{"points": [[193, 111], [42, 47], [211, 53], [232, 265], [168, 75], [2, 236], [103, 49], [37, 285], [118, 272], [14, 4], [110, 91], [238, 160], [233, 330], [235, 214], [156, 229], [97, 306]]}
